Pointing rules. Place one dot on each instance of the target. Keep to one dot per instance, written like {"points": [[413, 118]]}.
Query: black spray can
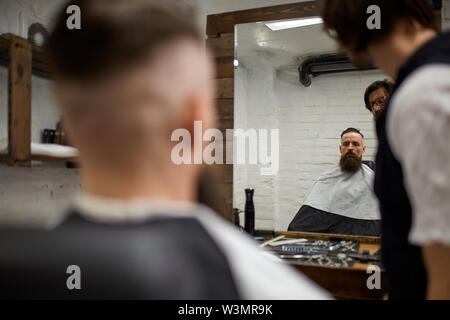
{"points": [[249, 211]]}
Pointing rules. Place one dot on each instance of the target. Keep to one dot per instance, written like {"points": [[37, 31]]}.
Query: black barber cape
{"points": [[166, 258], [404, 264], [340, 203]]}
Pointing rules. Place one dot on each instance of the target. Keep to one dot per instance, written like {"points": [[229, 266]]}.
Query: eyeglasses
{"points": [[381, 101]]}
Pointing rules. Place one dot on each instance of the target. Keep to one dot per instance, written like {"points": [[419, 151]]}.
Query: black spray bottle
{"points": [[249, 211]]}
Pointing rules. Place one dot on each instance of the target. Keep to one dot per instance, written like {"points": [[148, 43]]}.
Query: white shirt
{"points": [[258, 274], [418, 129]]}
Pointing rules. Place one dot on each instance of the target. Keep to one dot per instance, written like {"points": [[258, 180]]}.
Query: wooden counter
{"points": [[342, 282]]}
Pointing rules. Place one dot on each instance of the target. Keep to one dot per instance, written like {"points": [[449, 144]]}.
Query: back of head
{"points": [[124, 78], [114, 35]]}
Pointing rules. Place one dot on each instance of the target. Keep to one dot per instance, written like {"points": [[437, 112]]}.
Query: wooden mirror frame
{"points": [[220, 31]]}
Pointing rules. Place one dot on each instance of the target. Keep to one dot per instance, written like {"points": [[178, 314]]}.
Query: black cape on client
{"points": [[340, 203]]}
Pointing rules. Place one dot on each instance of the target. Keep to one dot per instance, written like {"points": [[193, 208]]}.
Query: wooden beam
{"points": [[227, 189], [224, 124], [221, 46], [225, 22], [225, 109], [19, 102], [225, 68], [40, 58], [225, 88]]}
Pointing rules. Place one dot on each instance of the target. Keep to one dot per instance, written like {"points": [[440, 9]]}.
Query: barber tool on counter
{"points": [[249, 211]]}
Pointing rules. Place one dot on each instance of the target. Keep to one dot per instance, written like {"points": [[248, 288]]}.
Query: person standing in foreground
{"points": [[133, 73], [412, 179]]}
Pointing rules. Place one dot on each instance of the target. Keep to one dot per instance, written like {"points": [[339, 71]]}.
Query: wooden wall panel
{"points": [[225, 68], [225, 88], [19, 102], [221, 46], [225, 109]]}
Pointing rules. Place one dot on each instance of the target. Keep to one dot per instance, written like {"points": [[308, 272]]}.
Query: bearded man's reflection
{"points": [[342, 200]]}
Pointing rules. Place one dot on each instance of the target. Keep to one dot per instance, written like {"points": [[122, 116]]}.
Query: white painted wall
{"points": [[256, 107], [446, 14], [36, 196]]}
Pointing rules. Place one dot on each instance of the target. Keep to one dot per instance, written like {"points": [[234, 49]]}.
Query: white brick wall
{"points": [[256, 107], [446, 14], [310, 121]]}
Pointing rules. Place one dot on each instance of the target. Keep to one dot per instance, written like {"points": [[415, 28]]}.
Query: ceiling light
{"points": [[275, 26]]}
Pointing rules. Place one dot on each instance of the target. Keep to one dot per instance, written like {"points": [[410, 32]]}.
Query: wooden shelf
{"points": [[53, 158], [39, 57]]}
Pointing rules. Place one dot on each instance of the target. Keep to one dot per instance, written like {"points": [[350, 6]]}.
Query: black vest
{"points": [[406, 274], [163, 258]]}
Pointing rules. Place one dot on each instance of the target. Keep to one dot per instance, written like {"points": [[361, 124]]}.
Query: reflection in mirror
{"points": [[312, 190]]}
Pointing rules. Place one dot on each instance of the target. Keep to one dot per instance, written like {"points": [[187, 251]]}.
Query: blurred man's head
{"points": [[352, 148], [377, 96], [405, 26], [133, 73]]}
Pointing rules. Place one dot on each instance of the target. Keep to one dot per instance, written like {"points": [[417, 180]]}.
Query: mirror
{"points": [[310, 118]]}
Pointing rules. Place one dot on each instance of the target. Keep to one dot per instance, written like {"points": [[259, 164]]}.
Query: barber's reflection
{"points": [[377, 95], [342, 200]]}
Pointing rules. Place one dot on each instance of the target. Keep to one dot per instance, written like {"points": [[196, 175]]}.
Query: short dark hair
{"points": [[388, 85], [116, 34], [347, 19], [351, 130]]}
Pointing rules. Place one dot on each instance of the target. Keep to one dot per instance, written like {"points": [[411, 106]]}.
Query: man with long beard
{"points": [[342, 200]]}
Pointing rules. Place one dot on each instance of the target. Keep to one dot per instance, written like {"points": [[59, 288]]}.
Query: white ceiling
{"points": [[285, 49]]}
